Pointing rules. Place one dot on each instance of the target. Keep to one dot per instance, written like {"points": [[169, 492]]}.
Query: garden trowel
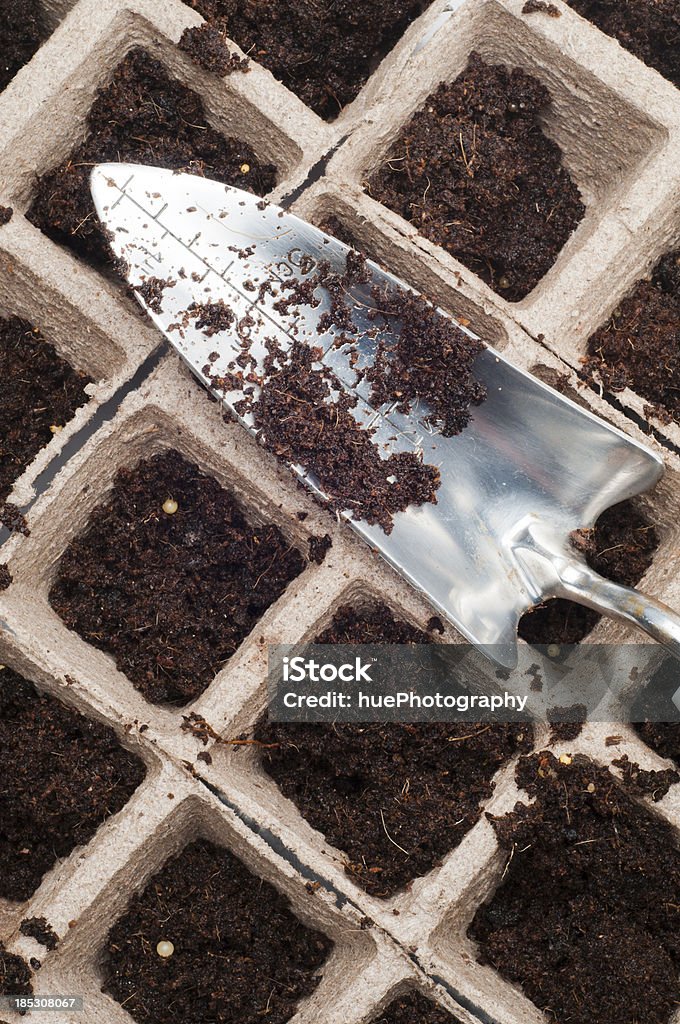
{"points": [[530, 468]]}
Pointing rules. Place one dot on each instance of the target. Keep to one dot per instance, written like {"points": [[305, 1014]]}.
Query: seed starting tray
{"points": [[618, 124]]}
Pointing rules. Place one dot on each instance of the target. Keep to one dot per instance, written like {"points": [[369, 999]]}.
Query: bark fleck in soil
{"points": [[38, 390], [22, 30], [61, 775], [620, 547], [6, 213], [584, 918], [355, 783], [322, 52], [648, 28], [144, 117], [5, 576], [171, 597], [414, 1008], [241, 956], [638, 346], [475, 174]]}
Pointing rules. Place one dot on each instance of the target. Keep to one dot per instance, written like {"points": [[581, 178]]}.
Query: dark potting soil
{"points": [[171, 596], [6, 214], [585, 917], [638, 346], [541, 7], [322, 52], [206, 45], [240, 956], [38, 390], [5, 576], [304, 414], [61, 775], [41, 930], [15, 975], [146, 117], [663, 737], [332, 225], [620, 547], [370, 786], [648, 28], [475, 174], [22, 30], [651, 783], [414, 1008]]}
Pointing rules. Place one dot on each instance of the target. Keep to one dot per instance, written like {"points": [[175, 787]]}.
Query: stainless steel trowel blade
{"points": [[530, 468]]}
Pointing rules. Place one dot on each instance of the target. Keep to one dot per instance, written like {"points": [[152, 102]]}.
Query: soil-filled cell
{"points": [[143, 116], [396, 798], [170, 576], [61, 775], [585, 918], [208, 942], [474, 172]]}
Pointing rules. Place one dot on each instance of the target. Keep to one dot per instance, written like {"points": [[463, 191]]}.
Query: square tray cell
{"points": [[395, 798], [322, 54], [582, 918], [244, 888], [637, 347], [605, 134], [167, 413], [39, 394], [142, 116], [170, 576], [208, 941], [475, 173], [648, 28], [62, 776]]}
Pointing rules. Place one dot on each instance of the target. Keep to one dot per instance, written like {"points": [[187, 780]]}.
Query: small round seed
{"points": [[565, 759], [55, 428], [165, 948], [553, 650], [170, 506], [504, 282], [591, 787], [245, 168]]}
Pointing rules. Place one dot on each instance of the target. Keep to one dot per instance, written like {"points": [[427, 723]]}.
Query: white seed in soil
{"points": [[591, 787], [165, 948], [553, 650], [55, 428], [245, 168], [565, 759], [170, 506]]}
